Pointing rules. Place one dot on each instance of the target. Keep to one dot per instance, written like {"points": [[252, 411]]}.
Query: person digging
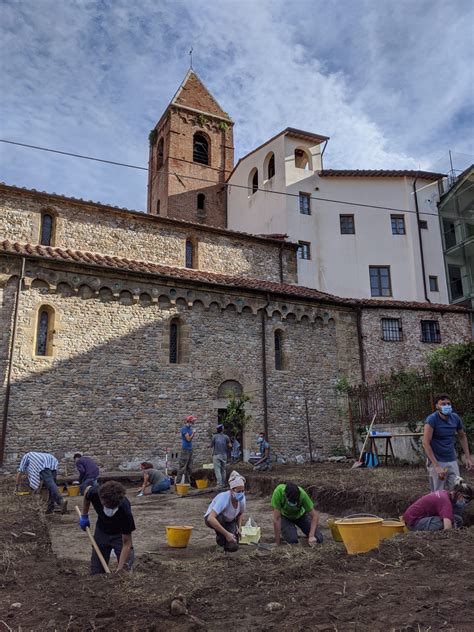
{"points": [[292, 508], [41, 467], [114, 527]]}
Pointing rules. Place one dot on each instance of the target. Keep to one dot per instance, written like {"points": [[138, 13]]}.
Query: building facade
{"points": [[362, 234]]}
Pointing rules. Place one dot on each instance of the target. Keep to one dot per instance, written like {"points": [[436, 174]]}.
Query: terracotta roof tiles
{"points": [[380, 173]]}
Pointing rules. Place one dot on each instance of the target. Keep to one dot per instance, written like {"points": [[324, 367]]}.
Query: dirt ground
{"points": [[415, 582]]}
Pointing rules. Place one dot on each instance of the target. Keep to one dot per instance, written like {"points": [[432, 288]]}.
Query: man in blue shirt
{"points": [[264, 462], [185, 465], [439, 443]]}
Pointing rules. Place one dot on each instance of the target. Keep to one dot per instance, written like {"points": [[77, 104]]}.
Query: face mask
{"points": [[292, 504], [110, 512], [260, 440], [239, 496], [446, 409], [460, 504]]}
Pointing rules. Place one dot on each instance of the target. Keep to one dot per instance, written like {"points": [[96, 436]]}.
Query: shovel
{"points": [[94, 545], [360, 462]]}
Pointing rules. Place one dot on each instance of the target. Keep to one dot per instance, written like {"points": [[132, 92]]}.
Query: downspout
{"points": [[420, 240], [360, 340], [6, 402], [264, 367]]}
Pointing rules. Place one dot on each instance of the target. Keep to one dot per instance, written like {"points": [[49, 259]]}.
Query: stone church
{"points": [[116, 324]]}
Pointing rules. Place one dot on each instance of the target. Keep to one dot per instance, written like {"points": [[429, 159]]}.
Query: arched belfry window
{"points": [[174, 341], [46, 233], [44, 331], [201, 202], [159, 154], [253, 181], [200, 149], [302, 159], [189, 262], [278, 350], [271, 167]]}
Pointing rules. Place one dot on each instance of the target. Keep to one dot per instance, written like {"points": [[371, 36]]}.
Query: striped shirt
{"points": [[34, 462]]}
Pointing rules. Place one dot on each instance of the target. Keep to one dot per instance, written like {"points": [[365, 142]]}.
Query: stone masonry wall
{"points": [[125, 234], [109, 390], [381, 356]]}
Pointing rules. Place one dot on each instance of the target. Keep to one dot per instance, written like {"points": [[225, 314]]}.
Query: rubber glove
{"points": [[84, 522]]}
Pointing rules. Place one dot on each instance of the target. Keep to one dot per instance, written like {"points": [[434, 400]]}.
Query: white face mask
{"points": [[110, 512]]}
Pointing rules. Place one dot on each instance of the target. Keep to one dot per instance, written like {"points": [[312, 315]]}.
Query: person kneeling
{"points": [[292, 507], [440, 510], [157, 481], [225, 513], [114, 527]]}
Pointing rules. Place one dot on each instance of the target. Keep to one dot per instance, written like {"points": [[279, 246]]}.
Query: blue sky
{"points": [[391, 82]]}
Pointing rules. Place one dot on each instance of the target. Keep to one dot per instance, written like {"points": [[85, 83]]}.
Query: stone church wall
{"points": [[109, 390], [132, 235]]}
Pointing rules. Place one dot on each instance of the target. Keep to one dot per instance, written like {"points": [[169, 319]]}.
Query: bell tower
{"points": [[191, 157]]}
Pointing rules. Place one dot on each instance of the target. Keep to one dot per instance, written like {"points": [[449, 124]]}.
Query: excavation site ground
{"points": [[413, 582]]}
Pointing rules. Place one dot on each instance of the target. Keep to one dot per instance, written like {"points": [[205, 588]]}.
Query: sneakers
{"points": [[64, 507]]}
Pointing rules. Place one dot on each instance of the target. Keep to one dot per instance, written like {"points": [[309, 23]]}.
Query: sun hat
{"points": [[236, 480]]}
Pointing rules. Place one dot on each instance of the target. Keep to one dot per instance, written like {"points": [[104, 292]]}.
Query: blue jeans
{"points": [[49, 479], [289, 533], [88, 481], [435, 523], [164, 486]]}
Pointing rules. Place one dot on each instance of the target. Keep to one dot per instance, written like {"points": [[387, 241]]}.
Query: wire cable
{"points": [[200, 179]]}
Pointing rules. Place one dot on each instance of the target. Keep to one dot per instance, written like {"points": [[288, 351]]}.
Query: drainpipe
{"points": [[360, 339], [6, 402], [281, 261], [420, 240], [264, 368]]}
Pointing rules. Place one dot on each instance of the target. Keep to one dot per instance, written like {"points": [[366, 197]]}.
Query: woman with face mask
{"points": [[440, 510], [439, 444], [114, 527], [225, 513]]}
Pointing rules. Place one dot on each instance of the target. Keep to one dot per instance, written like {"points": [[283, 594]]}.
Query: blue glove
{"points": [[84, 522]]}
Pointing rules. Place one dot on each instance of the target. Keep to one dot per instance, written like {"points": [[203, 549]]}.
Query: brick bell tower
{"points": [[191, 157]]}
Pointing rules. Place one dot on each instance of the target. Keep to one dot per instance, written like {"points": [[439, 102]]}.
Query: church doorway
{"points": [[227, 390]]}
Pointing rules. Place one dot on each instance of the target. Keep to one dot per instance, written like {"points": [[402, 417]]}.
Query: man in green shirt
{"points": [[292, 507]]}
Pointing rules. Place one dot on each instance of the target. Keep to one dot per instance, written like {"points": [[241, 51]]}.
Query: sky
{"points": [[390, 81]]}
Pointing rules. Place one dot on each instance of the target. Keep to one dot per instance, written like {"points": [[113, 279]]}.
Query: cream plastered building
{"points": [[362, 233]]}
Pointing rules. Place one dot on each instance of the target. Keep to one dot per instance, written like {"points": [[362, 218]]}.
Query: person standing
{"points": [[42, 466], [439, 444], [292, 507], [88, 471], [114, 527], [158, 481], [225, 513], [185, 465], [220, 443]]}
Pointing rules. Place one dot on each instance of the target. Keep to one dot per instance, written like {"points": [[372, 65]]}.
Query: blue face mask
{"points": [[446, 409], [460, 504], [239, 496]]}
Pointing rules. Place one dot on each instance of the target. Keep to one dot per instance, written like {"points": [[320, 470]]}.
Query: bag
{"points": [[370, 459], [251, 534]]}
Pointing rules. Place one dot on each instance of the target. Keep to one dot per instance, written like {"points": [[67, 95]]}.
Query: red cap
{"points": [[190, 419]]}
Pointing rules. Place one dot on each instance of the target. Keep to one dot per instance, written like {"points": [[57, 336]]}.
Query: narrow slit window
{"points": [[189, 254], [46, 229], [44, 332], [200, 149], [174, 339], [201, 200], [305, 204], [159, 154], [278, 350]]}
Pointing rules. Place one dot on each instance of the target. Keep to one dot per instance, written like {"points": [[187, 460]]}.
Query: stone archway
{"points": [[227, 389]]}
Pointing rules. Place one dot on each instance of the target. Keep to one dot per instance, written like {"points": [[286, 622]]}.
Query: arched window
{"points": [[159, 154], [44, 331], [278, 350], [46, 234], [158, 205], [253, 181], [201, 200], [189, 254], [200, 149], [174, 342], [301, 159], [271, 167]]}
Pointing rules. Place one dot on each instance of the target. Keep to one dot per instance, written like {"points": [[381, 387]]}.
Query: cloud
{"points": [[390, 83]]}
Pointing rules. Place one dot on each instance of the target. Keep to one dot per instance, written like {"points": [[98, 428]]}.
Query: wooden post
{"points": [[351, 423]]}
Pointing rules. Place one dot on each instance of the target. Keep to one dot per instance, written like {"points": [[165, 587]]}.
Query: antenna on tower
{"points": [[191, 58]]}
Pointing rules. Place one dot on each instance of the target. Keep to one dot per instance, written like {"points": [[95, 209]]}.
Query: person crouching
{"points": [[225, 513], [439, 510], [114, 527]]}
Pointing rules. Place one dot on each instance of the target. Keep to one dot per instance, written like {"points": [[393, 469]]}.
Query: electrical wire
{"points": [[200, 179]]}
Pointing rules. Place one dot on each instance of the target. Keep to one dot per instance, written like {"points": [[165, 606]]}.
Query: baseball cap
{"points": [[190, 419]]}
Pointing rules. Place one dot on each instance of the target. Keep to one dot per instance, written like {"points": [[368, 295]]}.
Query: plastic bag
{"points": [[250, 533]]}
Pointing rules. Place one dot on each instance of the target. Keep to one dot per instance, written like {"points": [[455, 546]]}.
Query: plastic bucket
{"points": [[202, 483], [334, 530], [182, 488], [73, 490], [178, 537], [360, 534], [390, 528]]}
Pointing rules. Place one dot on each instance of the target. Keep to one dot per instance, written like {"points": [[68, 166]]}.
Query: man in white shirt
{"points": [[42, 466]]}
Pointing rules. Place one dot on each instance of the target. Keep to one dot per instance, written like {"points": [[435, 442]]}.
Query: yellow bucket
{"points": [[336, 536], [22, 493], [390, 528], [202, 483], [360, 534], [182, 488], [73, 490], [178, 537], [61, 489]]}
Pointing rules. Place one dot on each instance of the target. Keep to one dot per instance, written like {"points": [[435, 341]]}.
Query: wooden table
{"points": [[389, 454]]}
